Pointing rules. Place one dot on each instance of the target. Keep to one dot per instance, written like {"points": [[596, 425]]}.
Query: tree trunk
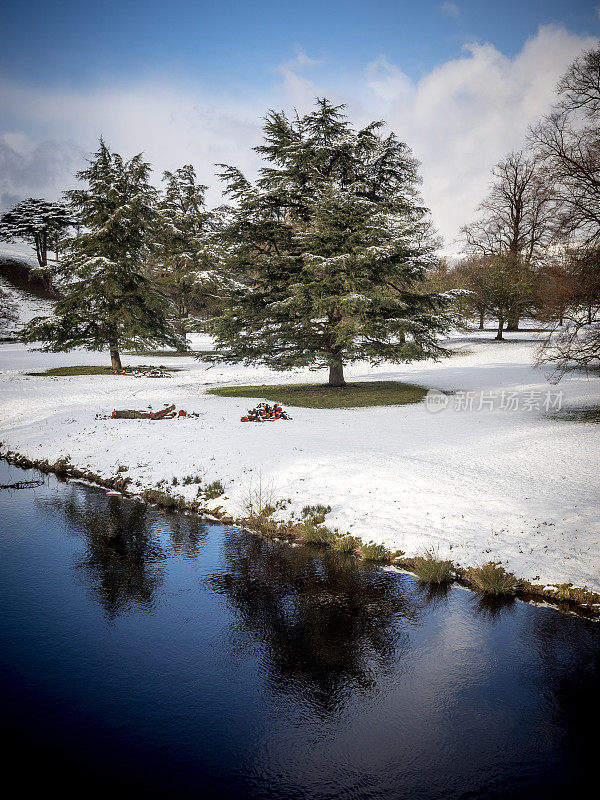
{"points": [[41, 249], [180, 328], [481, 320], [47, 280], [115, 358], [336, 373], [45, 250], [500, 326], [512, 322]]}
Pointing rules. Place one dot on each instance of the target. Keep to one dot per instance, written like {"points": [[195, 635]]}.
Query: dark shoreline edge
{"points": [[582, 602]]}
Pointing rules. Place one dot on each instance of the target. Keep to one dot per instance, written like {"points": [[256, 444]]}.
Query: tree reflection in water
{"points": [[187, 532], [326, 623], [492, 606], [123, 555]]}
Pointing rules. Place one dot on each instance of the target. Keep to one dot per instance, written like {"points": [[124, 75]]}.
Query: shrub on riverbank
{"points": [[487, 579], [316, 513], [347, 544], [430, 569], [309, 533], [375, 552], [491, 578], [164, 499], [213, 490]]}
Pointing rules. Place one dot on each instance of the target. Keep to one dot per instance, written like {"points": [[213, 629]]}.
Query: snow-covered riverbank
{"points": [[491, 477]]}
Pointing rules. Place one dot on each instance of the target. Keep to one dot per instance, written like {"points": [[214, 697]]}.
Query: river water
{"points": [[150, 654]]}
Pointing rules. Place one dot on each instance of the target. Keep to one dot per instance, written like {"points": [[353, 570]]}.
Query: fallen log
{"points": [[130, 413], [22, 484], [166, 413]]}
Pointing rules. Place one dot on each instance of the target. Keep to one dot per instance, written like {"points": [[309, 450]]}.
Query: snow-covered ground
{"points": [[492, 483], [27, 307], [20, 251]]}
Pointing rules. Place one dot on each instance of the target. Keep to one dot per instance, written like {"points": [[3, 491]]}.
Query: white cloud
{"points": [[34, 170], [459, 120], [295, 87], [462, 117], [449, 9]]}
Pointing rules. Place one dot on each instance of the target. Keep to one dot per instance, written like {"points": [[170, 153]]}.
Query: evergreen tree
{"points": [[8, 310], [39, 222], [328, 250], [180, 262], [108, 301]]}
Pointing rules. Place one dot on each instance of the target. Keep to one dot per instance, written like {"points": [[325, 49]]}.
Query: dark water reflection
{"points": [[152, 655], [328, 625]]}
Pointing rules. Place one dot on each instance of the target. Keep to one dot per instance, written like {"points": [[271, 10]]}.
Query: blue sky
{"points": [[189, 81], [236, 44]]}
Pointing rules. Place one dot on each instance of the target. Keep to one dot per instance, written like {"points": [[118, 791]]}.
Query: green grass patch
{"points": [[584, 414], [310, 395], [90, 370], [172, 353], [316, 513]]}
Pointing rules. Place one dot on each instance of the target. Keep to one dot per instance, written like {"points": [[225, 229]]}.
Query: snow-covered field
{"points": [[502, 483]]}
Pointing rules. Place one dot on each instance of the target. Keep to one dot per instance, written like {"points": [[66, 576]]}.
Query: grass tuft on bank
{"points": [[429, 568], [492, 578], [311, 395], [89, 369]]}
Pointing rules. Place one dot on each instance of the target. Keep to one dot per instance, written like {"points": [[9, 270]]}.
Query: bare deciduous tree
{"points": [[515, 221], [574, 346], [579, 88], [516, 217], [498, 284], [567, 140]]}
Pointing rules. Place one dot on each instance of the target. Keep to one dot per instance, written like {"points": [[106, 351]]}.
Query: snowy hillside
{"points": [[27, 305], [18, 251]]}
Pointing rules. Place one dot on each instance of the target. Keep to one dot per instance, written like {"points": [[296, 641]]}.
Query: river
{"points": [[153, 654]]}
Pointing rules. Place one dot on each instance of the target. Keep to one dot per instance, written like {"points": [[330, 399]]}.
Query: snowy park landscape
{"points": [[477, 481], [300, 398]]}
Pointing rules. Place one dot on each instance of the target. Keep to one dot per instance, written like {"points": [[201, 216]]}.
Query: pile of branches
{"points": [[151, 372], [265, 413]]}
